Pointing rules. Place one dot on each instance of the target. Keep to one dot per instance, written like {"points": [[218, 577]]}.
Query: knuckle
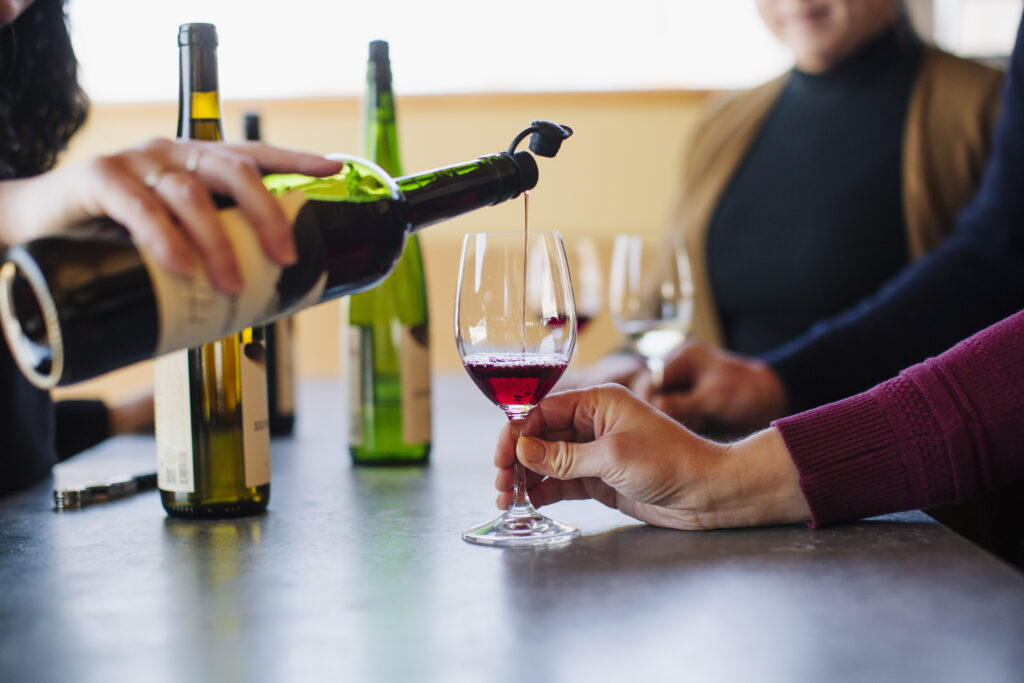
{"points": [[145, 206], [191, 190], [614, 389], [159, 246], [562, 461], [186, 190], [617, 449], [156, 146], [240, 166], [610, 391], [247, 168], [105, 167]]}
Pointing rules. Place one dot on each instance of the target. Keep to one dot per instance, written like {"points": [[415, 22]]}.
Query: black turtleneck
{"points": [[812, 221]]}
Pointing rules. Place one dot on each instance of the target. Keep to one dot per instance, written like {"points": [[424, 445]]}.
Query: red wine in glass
{"points": [[515, 379], [582, 320]]}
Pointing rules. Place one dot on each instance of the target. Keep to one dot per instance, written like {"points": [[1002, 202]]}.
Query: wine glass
{"points": [[651, 296], [587, 280], [515, 329]]}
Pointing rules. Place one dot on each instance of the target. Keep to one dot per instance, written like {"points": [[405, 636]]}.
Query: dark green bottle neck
{"points": [[380, 141], [251, 124], [199, 115], [447, 192]]}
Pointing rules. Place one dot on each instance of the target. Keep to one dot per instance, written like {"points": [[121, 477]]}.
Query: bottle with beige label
{"points": [[212, 427]]}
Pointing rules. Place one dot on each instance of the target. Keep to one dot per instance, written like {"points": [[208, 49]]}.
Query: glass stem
{"points": [[520, 501], [656, 366]]}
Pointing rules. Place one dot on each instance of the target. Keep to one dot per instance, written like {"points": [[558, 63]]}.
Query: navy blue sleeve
{"points": [[972, 280]]}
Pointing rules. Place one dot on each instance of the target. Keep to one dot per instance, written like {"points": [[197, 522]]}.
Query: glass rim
{"points": [[518, 233]]}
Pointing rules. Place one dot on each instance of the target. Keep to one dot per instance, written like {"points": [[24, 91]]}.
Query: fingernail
{"points": [[286, 250], [529, 449], [234, 281]]}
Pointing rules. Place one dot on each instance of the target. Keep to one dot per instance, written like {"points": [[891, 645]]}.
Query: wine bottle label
{"points": [[285, 367], [192, 311], [415, 385], [255, 413], [173, 420], [353, 353]]}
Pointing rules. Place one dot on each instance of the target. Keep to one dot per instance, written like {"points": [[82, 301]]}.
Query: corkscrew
{"points": [[545, 138], [111, 489]]}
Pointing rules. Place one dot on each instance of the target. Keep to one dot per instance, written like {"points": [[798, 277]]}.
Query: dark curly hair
{"points": [[41, 103]]}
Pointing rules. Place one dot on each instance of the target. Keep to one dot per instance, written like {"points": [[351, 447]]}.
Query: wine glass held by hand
{"points": [[510, 287], [651, 297]]}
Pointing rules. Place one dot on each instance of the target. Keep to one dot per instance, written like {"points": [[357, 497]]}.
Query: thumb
{"points": [[561, 459]]}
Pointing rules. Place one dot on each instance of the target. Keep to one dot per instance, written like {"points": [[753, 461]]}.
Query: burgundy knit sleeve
{"points": [[941, 432]]}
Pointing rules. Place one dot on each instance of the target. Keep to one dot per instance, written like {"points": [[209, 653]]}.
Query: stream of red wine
{"points": [[526, 257]]}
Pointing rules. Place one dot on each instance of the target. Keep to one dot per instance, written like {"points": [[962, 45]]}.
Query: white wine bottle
{"points": [[278, 338], [64, 297], [212, 431], [388, 333]]}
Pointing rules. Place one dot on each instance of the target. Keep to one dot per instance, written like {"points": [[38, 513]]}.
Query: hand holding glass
{"points": [[515, 329]]}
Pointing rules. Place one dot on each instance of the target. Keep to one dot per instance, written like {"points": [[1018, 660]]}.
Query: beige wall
{"points": [[617, 173]]}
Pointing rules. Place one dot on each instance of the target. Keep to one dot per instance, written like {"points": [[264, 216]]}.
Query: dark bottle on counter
{"points": [[278, 337], [212, 436]]}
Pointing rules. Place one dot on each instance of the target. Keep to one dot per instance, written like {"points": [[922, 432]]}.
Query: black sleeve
{"points": [[26, 428], [971, 281], [80, 425]]}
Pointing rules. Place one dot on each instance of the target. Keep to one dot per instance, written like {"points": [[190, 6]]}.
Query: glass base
{"points": [[521, 526]]}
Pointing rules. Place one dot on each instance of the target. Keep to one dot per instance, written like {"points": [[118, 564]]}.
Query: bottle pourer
{"points": [[546, 138]]}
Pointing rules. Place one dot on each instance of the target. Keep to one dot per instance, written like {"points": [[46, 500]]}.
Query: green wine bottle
{"points": [[278, 337], [213, 440], [387, 335]]}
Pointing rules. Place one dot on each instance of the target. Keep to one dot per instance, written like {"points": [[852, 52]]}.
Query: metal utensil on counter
{"points": [[111, 489]]}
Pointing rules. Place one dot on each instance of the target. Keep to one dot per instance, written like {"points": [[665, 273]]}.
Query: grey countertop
{"points": [[358, 574]]}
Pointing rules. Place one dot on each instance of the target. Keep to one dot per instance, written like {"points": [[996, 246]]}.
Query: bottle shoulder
{"points": [[359, 180]]}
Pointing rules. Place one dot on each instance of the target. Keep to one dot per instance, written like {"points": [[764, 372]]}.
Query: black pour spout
{"points": [[546, 138]]}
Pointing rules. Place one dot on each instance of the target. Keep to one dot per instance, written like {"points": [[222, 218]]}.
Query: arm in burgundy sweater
{"points": [[940, 432]]}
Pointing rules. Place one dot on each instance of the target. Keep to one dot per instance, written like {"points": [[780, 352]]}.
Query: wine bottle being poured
{"points": [[65, 298]]}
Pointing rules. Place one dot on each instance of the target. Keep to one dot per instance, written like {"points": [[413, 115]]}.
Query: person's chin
{"points": [[816, 52]]}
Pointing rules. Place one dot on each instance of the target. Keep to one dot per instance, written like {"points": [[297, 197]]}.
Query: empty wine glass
{"points": [[504, 308], [651, 296], [587, 280]]}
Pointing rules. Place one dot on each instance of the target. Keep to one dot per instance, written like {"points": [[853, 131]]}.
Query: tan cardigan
{"points": [[952, 110]]}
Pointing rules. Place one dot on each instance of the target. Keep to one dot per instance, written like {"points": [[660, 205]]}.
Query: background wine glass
{"points": [[587, 280], [651, 296], [504, 310]]}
